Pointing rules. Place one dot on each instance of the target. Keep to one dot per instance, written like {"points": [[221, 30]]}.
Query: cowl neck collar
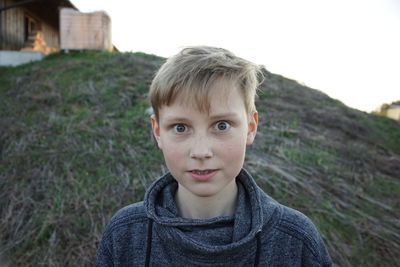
{"points": [[219, 239]]}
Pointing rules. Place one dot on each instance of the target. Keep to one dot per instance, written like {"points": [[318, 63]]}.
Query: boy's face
{"points": [[205, 151]]}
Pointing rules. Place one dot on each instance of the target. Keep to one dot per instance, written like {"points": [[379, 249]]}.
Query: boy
{"points": [[208, 211]]}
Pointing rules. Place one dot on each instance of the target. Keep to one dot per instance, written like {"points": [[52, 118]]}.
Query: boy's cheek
{"points": [[172, 155], [234, 153]]}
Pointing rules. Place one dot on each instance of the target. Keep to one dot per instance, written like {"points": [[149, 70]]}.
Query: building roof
{"points": [[50, 3]]}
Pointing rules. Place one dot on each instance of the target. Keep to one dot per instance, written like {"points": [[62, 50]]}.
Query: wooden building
{"points": [[389, 110], [393, 111], [85, 30], [31, 25]]}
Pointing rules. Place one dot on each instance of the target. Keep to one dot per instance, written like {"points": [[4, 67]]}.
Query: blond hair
{"points": [[193, 72]]}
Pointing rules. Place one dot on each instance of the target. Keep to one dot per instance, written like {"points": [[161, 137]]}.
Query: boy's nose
{"points": [[201, 149]]}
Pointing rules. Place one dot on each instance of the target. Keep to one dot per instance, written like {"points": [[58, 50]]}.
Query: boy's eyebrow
{"points": [[175, 119], [169, 119], [223, 115]]}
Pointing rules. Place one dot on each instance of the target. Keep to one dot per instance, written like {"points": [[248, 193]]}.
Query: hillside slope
{"points": [[75, 146]]}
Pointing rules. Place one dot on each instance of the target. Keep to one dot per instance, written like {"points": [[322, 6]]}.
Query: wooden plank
{"points": [[1, 25], [12, 34]]}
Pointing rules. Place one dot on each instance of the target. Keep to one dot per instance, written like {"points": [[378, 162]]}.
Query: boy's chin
{"points": [[200, 190]]}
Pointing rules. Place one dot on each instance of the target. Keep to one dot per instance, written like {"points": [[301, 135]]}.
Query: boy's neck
{"points": [[196, 207]]}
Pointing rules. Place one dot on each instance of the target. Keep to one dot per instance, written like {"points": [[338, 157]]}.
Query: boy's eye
{"points": [[180, 128], [222, 126]]}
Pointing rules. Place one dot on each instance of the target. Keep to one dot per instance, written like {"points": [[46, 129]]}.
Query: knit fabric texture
{"points": [[261, 231]]}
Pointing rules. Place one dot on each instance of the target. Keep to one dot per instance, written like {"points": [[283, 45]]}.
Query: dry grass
{"points": [[75, 147], [339, 166]]}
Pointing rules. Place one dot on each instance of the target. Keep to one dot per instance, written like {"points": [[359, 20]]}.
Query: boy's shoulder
{"points": [[125, 232], [127, 216], [294, 224], [286, 219]]}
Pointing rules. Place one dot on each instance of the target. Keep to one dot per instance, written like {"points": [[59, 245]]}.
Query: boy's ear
{"points": [[252, 128], [156, 130]]}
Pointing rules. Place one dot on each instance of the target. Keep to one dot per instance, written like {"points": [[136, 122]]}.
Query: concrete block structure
{"points": [[15, 58]]}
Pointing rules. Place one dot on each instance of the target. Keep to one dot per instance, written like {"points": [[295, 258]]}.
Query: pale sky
{"points": [[349, 49]]}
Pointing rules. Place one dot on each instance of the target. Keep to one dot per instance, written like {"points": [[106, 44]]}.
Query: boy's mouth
{"points": [[201, 172], [202, 175]]}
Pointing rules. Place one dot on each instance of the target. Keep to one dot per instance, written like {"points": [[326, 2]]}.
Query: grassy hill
{"points": [[75, 146]]}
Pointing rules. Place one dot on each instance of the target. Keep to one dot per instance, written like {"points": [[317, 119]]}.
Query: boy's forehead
{"points": [[218, 96], [219, 101]]}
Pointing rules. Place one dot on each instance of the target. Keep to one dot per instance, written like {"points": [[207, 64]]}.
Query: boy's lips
{"points": [[203, 175]]}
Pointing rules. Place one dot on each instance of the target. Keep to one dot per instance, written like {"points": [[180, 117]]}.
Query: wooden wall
{"points": [[85, 30], [12, 27], [51, 36], [394, 112]]}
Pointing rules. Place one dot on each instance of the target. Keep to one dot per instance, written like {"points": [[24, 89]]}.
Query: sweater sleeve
{"points": [[103, 255], [319, 253], [121, 236], [310, 259], [313, 251]]}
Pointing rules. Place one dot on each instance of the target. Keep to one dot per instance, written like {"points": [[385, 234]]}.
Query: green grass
{"points": [[312, 155], [70, 153], [385, 131], [337, 165], [74, 132]]}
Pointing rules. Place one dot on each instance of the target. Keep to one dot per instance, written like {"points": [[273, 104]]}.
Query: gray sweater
{"points": [[262, 232]]}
